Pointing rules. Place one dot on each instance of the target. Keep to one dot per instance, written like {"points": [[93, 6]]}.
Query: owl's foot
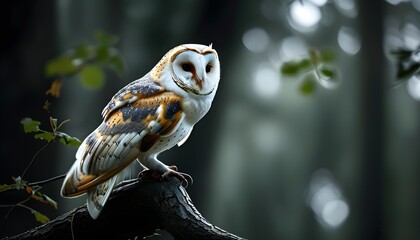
{"points": [[184, 178], [148, 174], [173, 171]]}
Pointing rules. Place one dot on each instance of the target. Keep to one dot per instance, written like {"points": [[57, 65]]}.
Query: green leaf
{"points": [[308, 85], [294, 67], [68, 140], [62, 65], [327, 55], [402, 53], [117, 63], [102, 53], [92, 76], [45, 136], [19, 182], [105, 39], [40, 217], [408, 63], [30, 125], [327, 72], [5, 187], [50, 201], [304, 64], [328, 76], [37, 195], [18, 185], [407, 68], [82, 52], [290, 68]]}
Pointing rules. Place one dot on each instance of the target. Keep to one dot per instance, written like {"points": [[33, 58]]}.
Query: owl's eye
{"points": [[187, 67], [208, 68]]}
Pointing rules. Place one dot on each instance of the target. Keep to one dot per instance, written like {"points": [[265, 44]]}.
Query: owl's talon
{"points": [[182, 177], [173, 167]]}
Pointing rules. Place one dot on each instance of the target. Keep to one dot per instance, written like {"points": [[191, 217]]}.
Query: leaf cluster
{"points": [[32, 126], [312, 70], [408, 62], [34, 192], [87, 61], [34, 189]]}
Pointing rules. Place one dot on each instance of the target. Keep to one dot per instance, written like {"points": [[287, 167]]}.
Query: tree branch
{"points": [[136, 208]]}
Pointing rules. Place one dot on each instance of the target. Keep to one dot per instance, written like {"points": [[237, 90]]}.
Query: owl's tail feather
{"points": [[98, 196]]}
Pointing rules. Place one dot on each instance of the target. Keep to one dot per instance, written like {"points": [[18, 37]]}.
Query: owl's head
{"points": [[195, 68]]}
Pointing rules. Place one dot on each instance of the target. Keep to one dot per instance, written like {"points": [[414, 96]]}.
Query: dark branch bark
{"points": [[136, 208]]}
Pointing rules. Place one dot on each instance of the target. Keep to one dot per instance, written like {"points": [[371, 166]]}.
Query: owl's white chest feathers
{"points": [[196, 107], [193, 111]]}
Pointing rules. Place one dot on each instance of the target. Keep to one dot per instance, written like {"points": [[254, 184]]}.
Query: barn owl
{"points": [[146, 117]]}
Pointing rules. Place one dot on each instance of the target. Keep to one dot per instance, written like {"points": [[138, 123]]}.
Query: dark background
{"points": [[267, 161]]}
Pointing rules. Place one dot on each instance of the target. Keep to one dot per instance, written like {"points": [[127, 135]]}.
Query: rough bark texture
{"points": [[136, 208]]}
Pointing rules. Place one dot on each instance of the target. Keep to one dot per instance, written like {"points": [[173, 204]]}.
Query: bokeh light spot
{"points": [[413, 87], [393, 2], [266, 82], [335, 212], [304, 16], [346, 7], [319, 2], [293, 47], [256, 40], [349, 40], [326, 200]]}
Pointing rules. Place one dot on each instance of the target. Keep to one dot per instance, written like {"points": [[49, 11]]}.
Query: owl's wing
{"points": [[141, 88], [134, 120]]}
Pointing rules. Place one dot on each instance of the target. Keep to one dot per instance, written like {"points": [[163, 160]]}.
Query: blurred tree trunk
{"points": [[371, 203], [27, 41]]}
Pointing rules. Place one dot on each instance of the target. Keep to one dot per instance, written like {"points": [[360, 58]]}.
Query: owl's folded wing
{"points": [[128, 130], [141, 88]]}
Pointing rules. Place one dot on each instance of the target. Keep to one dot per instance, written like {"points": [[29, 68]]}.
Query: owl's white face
{"points": [[196, 69]]}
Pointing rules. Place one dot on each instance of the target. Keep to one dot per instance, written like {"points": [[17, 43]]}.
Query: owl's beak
{"points": [[198, 81]]}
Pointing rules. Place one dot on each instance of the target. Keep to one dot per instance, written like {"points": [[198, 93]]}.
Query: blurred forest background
{"points": [[277, 156]]}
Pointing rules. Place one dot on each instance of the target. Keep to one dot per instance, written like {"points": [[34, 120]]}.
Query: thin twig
{"points": [[33, 159], [12, 207], [397, 83], [42, 182], [24, 206], [63, 122]]}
